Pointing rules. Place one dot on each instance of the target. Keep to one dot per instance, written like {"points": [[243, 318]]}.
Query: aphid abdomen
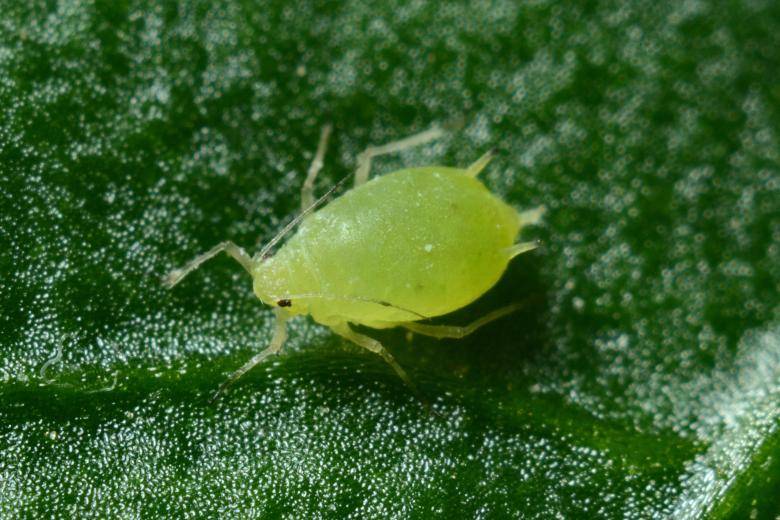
{"points": [[429, 240]]}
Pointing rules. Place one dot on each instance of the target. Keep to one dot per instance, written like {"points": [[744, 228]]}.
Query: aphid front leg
{"points": [[345, 331], [307, 191], [230, 248], [364, 159], [450, 331], [278, 339]]}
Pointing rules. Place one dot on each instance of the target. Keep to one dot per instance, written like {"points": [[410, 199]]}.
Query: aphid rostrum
{"points": [[392, 251]]}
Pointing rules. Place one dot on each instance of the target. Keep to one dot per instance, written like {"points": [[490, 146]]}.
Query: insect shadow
{"points": [[491, 357]]}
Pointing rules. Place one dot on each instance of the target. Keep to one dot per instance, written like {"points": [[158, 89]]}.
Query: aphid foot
{"points": [[427, 405], [220, 392]]}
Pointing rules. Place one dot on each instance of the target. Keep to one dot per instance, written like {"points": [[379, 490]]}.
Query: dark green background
{"points": [[643, 380]]}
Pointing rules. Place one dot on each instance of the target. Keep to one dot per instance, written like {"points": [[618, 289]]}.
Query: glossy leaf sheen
{"points": [[642, 378]]}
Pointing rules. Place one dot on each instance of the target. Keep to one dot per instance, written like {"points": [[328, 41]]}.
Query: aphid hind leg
{"points": [[238, 253], [307, 190], [451, 331], [277, 341], [345, 331], [364, 159]]}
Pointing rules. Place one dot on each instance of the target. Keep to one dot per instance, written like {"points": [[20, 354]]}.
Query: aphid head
{"points": [[266, 281], [272, 283]]}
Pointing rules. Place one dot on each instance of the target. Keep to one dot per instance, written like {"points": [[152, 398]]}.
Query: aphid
{"points": [[393, 251]]}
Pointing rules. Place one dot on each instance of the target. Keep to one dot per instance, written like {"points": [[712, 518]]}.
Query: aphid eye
{"points": [[284, 303]]}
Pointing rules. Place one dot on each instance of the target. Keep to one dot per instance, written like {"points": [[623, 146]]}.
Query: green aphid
{"points": [[393, 251]]}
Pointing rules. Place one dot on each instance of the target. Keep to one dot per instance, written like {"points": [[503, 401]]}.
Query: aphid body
{"points": [[393, 251]]}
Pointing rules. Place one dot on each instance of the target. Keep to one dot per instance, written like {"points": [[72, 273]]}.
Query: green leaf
{"points": [[642, 381]]}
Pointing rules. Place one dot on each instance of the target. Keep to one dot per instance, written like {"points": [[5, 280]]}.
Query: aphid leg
{"points": [[345, 331], [364, 159], [450, 331], [278, 339], [307, 191], [230, 248], [522, 247], [479, 165], [531, 217]]}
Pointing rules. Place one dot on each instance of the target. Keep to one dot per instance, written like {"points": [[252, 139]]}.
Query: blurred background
{"points": [[643, 381]]}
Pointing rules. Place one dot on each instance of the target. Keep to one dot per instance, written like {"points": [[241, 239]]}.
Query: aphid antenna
{"points": [[264, 252]]}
